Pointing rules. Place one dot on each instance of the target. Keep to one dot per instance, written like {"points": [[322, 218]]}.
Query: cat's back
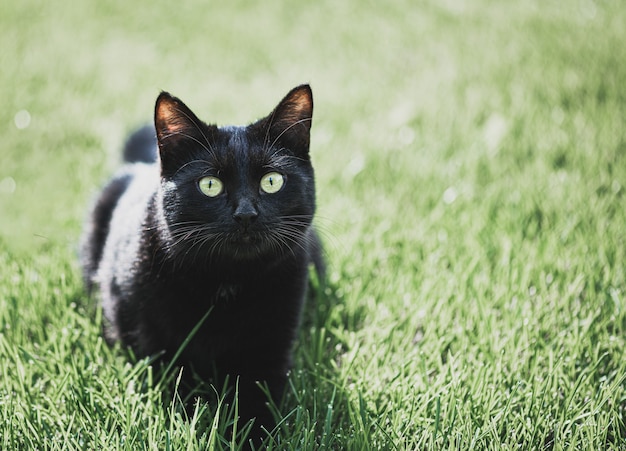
{"points": [[130, 209], [118, 210]]}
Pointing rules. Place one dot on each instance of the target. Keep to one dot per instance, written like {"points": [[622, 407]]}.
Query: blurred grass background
{"points": [[471, 168]]}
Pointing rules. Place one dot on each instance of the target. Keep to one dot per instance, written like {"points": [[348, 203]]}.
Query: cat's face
{"points": [[236, 192]]}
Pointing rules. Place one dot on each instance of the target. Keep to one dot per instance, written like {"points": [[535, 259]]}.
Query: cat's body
{"points": [[219, 223]]}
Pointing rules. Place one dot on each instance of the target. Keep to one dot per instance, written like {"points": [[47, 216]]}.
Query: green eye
{"points": [[272, 182], [211, 186]]}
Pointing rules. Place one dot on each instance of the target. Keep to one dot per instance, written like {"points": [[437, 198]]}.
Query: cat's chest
{"points": [[227, 293], [220, 294]]}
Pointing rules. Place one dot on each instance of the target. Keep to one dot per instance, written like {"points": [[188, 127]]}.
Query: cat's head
{"points": [[238, 193]]}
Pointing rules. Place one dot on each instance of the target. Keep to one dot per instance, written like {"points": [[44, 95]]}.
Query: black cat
{"points": [[218, 221]]}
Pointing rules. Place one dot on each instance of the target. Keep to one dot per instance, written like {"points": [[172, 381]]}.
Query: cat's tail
{"points": [[141, 146]]}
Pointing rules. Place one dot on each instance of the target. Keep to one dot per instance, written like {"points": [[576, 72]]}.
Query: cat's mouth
{"points": [[246, 238], [246, 245]]}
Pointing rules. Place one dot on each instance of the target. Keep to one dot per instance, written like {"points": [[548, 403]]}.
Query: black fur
{"points": [[162, 253], [141, 146]]}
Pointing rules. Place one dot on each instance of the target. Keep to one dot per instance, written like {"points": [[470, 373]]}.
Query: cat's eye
{"points": [[211, 186], [272, 182]]}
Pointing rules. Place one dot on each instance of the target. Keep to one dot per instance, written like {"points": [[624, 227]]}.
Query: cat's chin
{"points": [[248, 246], [244, 239], [247, 253], [251, 246]]}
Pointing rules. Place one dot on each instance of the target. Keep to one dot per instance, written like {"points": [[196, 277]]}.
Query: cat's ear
{"points": [[178, 129], [290, 122]]}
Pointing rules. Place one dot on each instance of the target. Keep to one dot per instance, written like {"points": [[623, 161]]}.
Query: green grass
{"points": [[471, 169]]}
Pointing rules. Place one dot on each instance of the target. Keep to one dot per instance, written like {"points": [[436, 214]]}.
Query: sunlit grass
{"points": [[471, 172]]}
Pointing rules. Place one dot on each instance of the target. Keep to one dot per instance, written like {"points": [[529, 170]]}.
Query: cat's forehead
{"points": [[237, 143], [234, 138]]}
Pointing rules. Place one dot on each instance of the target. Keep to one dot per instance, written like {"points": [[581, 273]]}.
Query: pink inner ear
{"points": [[299, 106], [301, 103], [168, 118]]}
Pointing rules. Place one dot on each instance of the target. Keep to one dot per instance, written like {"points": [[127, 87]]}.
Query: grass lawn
{"points": [[471, 172]]}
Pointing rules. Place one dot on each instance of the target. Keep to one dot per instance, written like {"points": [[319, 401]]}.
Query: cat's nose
{"points": [[245, 214], [245, 219]]}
